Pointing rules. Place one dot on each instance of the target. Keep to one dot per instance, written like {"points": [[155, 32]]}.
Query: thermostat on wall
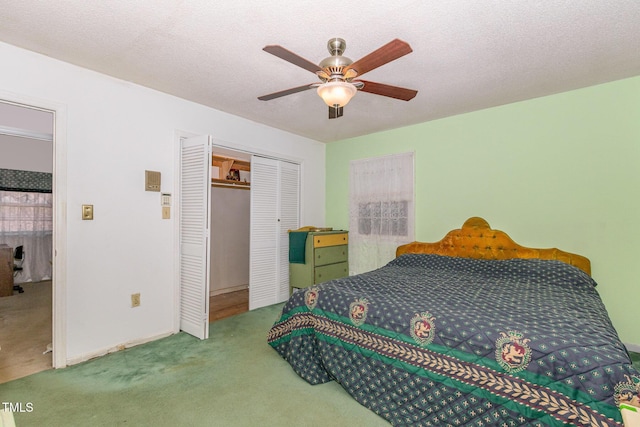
{"points": [[165, 199]]}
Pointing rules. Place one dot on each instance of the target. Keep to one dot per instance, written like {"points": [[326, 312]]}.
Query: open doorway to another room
{"points": [[26, 233], [230, 233]]}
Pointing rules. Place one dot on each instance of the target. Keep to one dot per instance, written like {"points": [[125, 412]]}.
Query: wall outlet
{"points": [[135, 300]]}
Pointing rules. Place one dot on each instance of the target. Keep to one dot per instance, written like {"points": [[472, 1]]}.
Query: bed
{"points": [[471, 330]]}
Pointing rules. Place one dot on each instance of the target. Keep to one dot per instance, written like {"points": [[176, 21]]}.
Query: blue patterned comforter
{"points": [[436, 340]]}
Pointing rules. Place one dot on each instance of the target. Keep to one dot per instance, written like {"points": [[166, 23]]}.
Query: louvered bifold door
{"points": [[289, 214], [195, 188], [263, 253], [275, 209]]}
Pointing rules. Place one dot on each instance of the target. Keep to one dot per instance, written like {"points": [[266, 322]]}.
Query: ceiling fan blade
{"points": [[291, 57], [335, 112], [285, 92], [387, 53], [387, 90]]}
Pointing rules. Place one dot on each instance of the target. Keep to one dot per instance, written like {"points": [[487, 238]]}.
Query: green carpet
{"points": [[232, 379]]}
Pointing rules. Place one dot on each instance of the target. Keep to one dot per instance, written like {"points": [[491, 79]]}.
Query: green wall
{"points": [[560, 171]]}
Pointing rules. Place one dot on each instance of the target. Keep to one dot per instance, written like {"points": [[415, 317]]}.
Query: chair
{"points": [[18, 260]]}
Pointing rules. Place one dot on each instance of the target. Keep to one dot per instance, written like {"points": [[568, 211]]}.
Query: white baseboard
{"points": [[633, 347], [128, 344], [215, 292]]}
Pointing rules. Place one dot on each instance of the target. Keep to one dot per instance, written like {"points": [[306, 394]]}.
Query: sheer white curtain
{"points": [[26, 219], [381, 209]]}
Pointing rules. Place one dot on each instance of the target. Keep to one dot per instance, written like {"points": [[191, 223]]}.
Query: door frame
{"points": [[59, 252], [216, 142]]}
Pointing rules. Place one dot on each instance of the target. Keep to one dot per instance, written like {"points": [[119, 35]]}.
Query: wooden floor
{"points": [[25, 331], [229, 304]]}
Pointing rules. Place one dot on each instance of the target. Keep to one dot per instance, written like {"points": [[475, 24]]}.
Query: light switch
{"points": [[166, 212], [87, 212]]}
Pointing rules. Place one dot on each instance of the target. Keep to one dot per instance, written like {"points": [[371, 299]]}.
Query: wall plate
{"points": [[87, 212], [152, 180]]}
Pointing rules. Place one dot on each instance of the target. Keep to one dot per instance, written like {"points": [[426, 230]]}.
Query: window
{"points": [[25, 213], [381, 211], [383, 218], [26, 220]]}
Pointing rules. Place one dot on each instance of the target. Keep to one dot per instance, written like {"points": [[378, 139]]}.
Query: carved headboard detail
{"points": [[476, 239]]}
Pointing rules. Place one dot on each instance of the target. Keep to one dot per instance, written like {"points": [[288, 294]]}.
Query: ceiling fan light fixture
{"points": [[336, 93]]}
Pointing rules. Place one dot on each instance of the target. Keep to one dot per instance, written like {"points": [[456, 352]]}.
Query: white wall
{"points": [[25, 118], [22, 153], [114, 131], [230, 235], [26, 154]]}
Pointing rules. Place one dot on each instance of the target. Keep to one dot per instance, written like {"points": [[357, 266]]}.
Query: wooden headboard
{"points": [[476, 239]]}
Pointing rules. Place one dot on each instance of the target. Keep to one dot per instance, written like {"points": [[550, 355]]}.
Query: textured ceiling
{"points": [[467, 55]]}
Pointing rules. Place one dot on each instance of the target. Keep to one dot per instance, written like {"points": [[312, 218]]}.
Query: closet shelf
{"points": [[228, 167], [226, 163], [229, 183]]}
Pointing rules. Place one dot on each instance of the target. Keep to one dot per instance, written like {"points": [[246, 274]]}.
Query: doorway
{"points": [[26, 228], [230, 231]]}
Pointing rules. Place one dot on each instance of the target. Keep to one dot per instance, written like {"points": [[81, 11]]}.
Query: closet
{"points": [[230, 218], [218, 228]]}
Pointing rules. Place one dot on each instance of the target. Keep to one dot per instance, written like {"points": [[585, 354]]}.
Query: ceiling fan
{"points": [[337, 74]]}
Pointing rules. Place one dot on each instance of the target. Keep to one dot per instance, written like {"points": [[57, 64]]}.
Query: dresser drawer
{"points": [[331, 255], [320, 241], [332, 271]]}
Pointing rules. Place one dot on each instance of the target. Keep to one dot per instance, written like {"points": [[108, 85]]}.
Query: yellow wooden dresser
{"points": [[326, 257]]}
